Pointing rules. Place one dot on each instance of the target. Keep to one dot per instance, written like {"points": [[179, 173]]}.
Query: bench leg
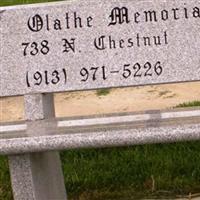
{"points": [[37, 176]]}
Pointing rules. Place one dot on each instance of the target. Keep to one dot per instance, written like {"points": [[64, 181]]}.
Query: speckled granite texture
{"points": [[37, 176], [79, 45], [102, 138]]}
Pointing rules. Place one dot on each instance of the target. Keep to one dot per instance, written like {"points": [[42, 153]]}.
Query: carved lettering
{"points": [[99, 43], [35, 23], [69, 45], [119, 16]]}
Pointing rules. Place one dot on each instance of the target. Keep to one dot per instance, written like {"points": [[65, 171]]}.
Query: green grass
{"points": [[16, 2], [175, 168], [103, 92], [189, 104], [5, 188]]}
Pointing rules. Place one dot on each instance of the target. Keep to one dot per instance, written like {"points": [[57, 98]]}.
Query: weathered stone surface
{"points": [[102, 138], [95, 44], [101, 131], [37, 176]]}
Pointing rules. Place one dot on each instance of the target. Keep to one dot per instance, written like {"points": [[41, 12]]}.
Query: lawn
{"points": [[189, 104], [16, 2], [161, 170]]}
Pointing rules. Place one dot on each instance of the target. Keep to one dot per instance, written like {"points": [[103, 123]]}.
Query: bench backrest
{"points": [[84, 45]]}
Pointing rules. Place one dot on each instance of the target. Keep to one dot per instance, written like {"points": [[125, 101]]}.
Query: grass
{"points": [[189, 104], [17, 2], [5, 188], [110, 172], [103, 92]]}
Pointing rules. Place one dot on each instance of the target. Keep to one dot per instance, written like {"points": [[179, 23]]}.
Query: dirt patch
{"points": [[117, 100]]}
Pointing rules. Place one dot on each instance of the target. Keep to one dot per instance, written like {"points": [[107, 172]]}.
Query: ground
{"points": [[116, 100]]}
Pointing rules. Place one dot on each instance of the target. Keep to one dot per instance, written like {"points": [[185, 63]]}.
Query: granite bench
{"points": [[83, 45]]}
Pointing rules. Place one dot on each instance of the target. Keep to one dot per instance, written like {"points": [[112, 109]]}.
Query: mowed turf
{"points": [[161, 170], [17, 2], [189, 104]]}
